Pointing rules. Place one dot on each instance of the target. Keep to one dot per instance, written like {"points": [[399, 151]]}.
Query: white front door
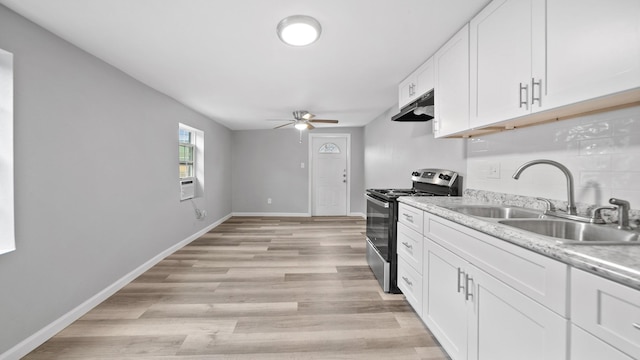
{"points": [[330, 176]]}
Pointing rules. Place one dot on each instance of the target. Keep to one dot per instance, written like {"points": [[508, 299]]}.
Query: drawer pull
{"points": [[407, 281], [460, 286], [407, 245], [636, 325], [408, 217]]}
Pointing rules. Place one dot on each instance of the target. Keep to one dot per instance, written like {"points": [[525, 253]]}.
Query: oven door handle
{"points": [[377, 202]]}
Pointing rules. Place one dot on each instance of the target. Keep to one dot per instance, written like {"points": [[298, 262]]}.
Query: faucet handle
{"points": [[550, 206], [623, 212], [619, 202], [596, 216]]}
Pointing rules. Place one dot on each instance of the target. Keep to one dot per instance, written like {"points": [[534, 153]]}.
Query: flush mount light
{"points": [[299, 30]]}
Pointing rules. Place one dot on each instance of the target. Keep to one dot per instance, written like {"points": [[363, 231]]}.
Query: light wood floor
{"points": [[254, 288]]}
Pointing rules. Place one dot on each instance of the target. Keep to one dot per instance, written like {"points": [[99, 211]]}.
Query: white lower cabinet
{"points": [[607, 310], [484, 299], [475, 316], [409, 249]]}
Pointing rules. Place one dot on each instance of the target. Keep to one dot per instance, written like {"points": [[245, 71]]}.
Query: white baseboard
{"points": [[271, 214], [44, 334]]}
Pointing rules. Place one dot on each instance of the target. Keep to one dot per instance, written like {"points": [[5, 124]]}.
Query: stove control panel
{"points": [[435, 176]]}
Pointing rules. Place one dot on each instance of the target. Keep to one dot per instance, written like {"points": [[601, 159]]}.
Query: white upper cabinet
{"points": [[416, 84], [593, 49], [451, 94], [532, 61], [506, 43]]}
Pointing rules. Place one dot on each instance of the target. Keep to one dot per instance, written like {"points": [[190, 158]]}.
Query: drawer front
{"points": [[539, 277], [410, 283], [409, 246], [585, 346], [606, 309], [411, 217]]}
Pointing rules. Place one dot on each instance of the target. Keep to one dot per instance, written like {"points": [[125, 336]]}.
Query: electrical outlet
{"points": [[301, 165], [493, 171], [269, 201]]}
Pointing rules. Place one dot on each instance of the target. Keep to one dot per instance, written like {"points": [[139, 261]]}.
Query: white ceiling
{"points": [[223, 58]]}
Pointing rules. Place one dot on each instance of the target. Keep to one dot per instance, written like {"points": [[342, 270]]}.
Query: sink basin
{"points": [[497, 211], [570, 232]]}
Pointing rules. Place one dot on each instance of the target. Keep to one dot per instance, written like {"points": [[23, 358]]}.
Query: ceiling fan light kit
{"points": [[299, 30], [302, 120]]}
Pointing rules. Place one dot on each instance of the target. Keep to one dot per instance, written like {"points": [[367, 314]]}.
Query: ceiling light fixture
{"points": [[299, 30], [301, 125]]}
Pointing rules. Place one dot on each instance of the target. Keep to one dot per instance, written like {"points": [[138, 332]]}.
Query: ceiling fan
{"points": [[302, 120]]}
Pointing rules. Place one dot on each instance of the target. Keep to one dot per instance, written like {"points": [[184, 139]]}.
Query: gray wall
{"points": [[96, 178], [266, 164], [394, 149]]}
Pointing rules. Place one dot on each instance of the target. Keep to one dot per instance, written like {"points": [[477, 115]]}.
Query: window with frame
{"points": [[187, 153], [7, 214]]}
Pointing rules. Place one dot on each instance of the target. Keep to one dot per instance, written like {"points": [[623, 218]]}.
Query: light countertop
{"points": [[620, 263]]}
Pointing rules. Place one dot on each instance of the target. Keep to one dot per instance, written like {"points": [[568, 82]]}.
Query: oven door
{"points": [[379, 218]]}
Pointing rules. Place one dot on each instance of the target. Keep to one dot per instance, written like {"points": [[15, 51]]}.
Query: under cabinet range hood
{"points": [[419, 110]]}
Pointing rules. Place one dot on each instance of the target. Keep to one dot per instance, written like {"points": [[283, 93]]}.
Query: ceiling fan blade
{"points": [[309, 126], [278, 127], [326, 121], [308, 116]]}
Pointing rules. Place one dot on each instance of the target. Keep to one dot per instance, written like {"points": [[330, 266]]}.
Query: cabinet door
{"points": [[406, 91], [506, 325], [501, 61], [593, 49], [444, 306], [425, 77], [451, 93]]}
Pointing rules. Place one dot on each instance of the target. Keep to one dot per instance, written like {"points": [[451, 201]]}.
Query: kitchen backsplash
{"points": [[601, 150]]}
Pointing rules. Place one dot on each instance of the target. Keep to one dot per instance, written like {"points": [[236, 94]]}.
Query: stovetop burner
{"points": [[394, 193]]}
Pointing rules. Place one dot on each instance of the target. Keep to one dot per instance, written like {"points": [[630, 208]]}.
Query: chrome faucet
{"points": [[571, 207], [623, 213]]}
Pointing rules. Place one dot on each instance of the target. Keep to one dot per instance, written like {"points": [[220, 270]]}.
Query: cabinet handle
{"points": [[408, 217], [524, 87], [407, 281], [460, 286], [636, 325], [533, 92], [407, 245], [467, 293]]}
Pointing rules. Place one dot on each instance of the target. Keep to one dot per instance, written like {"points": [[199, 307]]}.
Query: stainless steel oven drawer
{"points": [[380, 267]]}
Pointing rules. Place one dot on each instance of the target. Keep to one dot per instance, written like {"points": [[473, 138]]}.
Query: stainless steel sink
{"points": [[571, 232], [497, 211]]}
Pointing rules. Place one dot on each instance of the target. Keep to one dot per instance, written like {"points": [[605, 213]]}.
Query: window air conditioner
{"points": [[187, 189]]}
